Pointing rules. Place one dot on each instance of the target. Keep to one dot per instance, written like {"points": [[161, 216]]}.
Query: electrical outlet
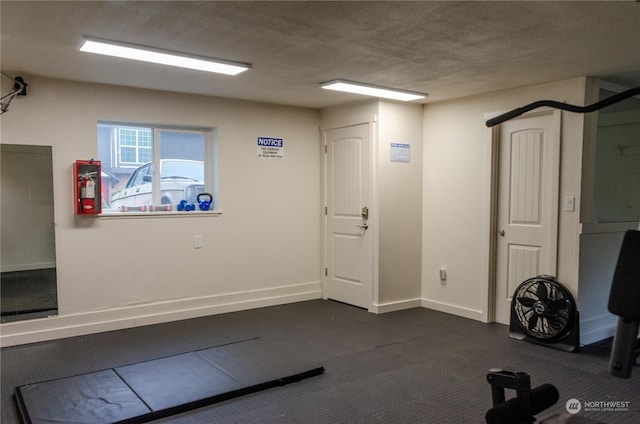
{"points": [[443, 276]]}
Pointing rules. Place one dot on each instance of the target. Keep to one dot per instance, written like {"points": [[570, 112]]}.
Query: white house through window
{"points": [[134, 145]]}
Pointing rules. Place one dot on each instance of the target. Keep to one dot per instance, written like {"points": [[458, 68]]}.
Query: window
{"points": [[134, 145], [151, 167]]}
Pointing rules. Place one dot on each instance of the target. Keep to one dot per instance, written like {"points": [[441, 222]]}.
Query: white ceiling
{"points": [[446, 49]]}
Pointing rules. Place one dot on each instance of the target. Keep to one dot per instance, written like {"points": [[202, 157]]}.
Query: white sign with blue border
{"points": [[400, 152], [270, 148]]}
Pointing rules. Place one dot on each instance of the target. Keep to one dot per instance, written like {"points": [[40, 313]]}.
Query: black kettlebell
{"points": [[204, 204]]}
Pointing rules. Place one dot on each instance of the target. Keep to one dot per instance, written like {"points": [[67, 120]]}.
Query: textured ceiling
{"points": [[446, 49]]}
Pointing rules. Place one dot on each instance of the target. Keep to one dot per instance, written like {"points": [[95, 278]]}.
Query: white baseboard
{"points": [[399, 305], [597, 328], [61, 326], [453, 309], [429, 304]]}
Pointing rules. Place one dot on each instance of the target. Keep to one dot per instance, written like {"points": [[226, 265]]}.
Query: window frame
{"points": [[119, 146], [210, 162]]}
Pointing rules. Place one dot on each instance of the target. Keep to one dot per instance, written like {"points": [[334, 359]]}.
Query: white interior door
{"points": [[527, 221], [349, 238]]}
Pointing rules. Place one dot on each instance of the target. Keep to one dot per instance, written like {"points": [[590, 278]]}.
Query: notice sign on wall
{"points": [[270, 148], [400, 152]]}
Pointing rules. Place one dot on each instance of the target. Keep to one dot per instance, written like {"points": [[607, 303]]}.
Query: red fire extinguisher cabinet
{"points": [[87, 193]]}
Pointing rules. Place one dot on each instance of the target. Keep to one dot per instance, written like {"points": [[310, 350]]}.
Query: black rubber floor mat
{"points": [[153, 389]]}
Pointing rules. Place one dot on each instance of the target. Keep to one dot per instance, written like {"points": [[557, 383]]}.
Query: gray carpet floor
{"points": [[412, 366]]}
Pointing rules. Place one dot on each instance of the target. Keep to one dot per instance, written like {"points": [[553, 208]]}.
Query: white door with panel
{"points": [[527, 221], [349, 241]]}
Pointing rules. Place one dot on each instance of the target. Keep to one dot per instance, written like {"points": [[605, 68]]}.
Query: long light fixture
{"points": [[163, 57], [372, 90]]}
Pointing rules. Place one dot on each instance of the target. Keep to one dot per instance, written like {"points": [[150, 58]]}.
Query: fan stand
{"points": [[570, 343]]}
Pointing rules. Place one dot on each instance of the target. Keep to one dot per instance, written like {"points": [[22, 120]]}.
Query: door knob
{"points": [[501, 233], [363, 226]]}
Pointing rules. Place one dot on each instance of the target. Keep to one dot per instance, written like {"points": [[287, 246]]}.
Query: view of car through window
{"points": [[132, 156], [179, 180], [177, 169]]}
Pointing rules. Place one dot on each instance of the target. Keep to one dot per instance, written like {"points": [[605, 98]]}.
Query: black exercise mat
{"points": [[153, 389], [84, 399], [177, 380]]}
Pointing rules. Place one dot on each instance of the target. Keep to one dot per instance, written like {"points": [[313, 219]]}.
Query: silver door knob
{"points": [[363, 226], [501, 233]]}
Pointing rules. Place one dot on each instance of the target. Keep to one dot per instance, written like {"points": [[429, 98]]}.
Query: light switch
{"points": [[443, 275], [569, 204]]}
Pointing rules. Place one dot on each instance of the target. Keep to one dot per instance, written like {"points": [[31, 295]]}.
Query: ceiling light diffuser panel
{"points": [[372, 90], [163, 57]]}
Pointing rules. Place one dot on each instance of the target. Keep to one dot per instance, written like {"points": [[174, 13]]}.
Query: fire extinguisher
{"points": [[87, 194]]}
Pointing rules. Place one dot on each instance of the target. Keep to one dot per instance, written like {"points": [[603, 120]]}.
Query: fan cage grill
{"points": [[544, 308]]}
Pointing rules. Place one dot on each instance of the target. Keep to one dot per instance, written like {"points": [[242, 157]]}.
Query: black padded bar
{"points": [[150, 390]]}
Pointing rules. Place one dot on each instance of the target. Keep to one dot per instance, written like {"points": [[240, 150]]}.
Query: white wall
{"points": [[349, 114], [399, 187], [115, 273], [457, 193]]}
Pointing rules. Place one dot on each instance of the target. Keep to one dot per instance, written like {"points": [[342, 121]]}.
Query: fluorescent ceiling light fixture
{"points": [[372, 90], [163, 57]]}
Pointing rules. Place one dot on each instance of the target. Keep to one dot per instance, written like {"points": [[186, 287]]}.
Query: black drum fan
{"points": [[543, 311]]}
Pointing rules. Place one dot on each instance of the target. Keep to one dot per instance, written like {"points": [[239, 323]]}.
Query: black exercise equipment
{"points": [[543, 311], [527, 403], [563, 106], [150, 390], [624, 301]]}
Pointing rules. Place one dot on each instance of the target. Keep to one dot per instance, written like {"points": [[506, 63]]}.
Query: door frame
{"points": [[371, 121], [492, 235]]}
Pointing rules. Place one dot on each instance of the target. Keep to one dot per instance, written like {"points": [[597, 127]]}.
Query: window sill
{"points": [[169, 214]]}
